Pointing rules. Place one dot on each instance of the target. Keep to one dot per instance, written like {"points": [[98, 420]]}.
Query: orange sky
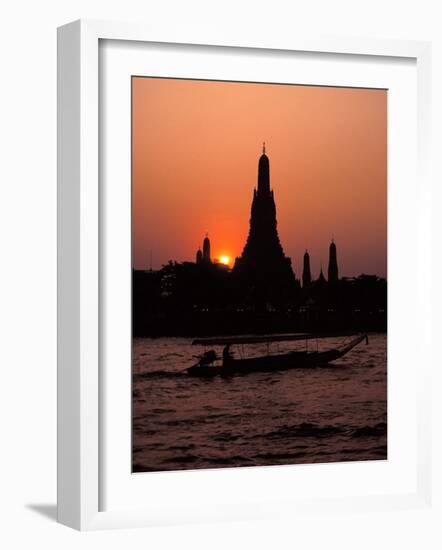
{"points": [[196, 146]]}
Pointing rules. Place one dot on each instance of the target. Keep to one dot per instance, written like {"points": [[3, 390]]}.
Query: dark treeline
{"points": [[190, 299]]}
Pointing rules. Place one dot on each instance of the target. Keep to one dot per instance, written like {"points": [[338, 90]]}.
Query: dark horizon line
{"points": [[230, 268]]}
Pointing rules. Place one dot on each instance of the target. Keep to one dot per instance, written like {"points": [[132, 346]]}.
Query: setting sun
{"points": [[225, 260]]}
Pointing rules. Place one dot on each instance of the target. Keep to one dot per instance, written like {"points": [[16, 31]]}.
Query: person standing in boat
{"points": [[227, 355]]}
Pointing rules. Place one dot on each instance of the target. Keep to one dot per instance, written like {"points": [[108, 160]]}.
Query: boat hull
{"points": [[266, 364], [278, 362]]}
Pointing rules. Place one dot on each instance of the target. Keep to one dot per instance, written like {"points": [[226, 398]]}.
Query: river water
{"points": [[332, 414]]}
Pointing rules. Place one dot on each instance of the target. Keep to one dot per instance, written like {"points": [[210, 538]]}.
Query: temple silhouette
{"points": [[333, 264], [204, 255], [306, 273], [263, 270], [260, 293], [333, 271]]}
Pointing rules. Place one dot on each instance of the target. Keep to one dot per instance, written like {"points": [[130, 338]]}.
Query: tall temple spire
{"points": [[263, 268], [306, 273], [333, 263], [264, 173]]}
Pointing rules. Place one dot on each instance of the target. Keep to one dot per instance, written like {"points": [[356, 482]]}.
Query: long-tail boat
{"points": [[212, 364]]}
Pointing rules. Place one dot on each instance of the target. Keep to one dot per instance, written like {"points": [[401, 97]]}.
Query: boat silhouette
{"points": [[211, 364]]}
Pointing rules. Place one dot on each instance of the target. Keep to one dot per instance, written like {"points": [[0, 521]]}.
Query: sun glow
{"points": [[225, 260]]}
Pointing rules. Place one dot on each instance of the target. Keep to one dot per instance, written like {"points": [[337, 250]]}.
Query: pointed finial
{"points": [[263, 147]]}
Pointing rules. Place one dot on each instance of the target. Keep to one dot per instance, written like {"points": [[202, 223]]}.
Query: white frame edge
{"points": [[78, 256], [68, 284]]}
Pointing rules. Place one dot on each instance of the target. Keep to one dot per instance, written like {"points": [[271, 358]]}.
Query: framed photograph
{"points": [[242, 257]]}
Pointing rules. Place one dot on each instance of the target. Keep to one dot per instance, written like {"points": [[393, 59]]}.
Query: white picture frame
{"points": [[79, 274]]}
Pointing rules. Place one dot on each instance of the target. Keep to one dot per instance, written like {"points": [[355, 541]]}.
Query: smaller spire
{"points": [[206, 249], [263, 147], [306, 273]]}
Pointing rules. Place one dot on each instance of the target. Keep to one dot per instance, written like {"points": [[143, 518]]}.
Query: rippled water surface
{"points": [[336, 413]]}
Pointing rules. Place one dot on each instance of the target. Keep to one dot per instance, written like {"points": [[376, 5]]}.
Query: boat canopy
{"points": [[257, 338]]}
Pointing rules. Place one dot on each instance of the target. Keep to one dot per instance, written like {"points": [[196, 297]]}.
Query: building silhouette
{"points": [[260, 294], [204, 255], [306, 273], [332, 264], [263, 266], [321, 279], [206, 249]]}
